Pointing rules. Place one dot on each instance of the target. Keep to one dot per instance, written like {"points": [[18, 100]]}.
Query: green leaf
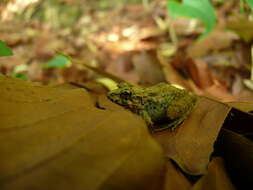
{"points": [[4, 49], [59, 61], [198, 9], [250, 3], [22, 76]]}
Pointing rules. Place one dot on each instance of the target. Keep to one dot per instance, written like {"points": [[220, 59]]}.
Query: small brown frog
{"points": [[160, 104]]}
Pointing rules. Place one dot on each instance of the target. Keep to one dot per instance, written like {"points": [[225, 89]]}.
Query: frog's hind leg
{"points": [[172, 125], [181, 107], [178, 111]]}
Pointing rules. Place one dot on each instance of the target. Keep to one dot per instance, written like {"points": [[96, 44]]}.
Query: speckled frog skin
{"points": [[162, 103]]}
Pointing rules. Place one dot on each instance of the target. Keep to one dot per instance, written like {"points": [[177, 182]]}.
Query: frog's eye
{"points": [[125, 95]]}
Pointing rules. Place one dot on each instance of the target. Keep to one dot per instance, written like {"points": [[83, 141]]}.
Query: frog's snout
{"points": [[112, 95]]}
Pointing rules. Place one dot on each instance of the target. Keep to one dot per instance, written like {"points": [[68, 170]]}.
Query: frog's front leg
{"points": [[144, 114]]}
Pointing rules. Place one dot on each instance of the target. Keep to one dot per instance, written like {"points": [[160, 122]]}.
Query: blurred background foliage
{"points": [[137, 40]]}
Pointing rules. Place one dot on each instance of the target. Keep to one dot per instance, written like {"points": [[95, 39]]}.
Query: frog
{"points": [[163, 104]]}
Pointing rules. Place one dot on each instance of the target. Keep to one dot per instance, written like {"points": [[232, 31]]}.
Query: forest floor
{"points": [[71, 135], [137, 42]]}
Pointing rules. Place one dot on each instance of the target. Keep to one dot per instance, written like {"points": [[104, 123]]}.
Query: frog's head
{"points": [[122, 95]]}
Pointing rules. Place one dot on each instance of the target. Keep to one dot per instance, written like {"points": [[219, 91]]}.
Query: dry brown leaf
{"points": [[217, 40], [171, 75], [55, 138], [239, 121], [191, 144], [122, 67], [244, 106], [242, 26], [148, 68], [124, 46], [219, 92], [197, 70], [237, 152], [174, 179], [216, 178], [200, 73]]}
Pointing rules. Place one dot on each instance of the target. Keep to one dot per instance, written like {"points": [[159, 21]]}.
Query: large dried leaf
{"points": [[174, 179], [244, 106], [200, 73], [191, 144], [240, 121], [171, 75], [55, 138], [237, 152], [216, 41], [216, 178], [148, 68], [242, 26], [219, 92]]}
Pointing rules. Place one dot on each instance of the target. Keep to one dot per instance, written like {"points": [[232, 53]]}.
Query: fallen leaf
{"points": [[122, 66], [243, 106], [200, 73], [55, 138], [216, 178], [171, 75], [242, 26], [237, 152], [191, 144], [219, 92], [198, 70], [217, 40], [239, 121], [124, 46], [174, 179], [148, 68]]}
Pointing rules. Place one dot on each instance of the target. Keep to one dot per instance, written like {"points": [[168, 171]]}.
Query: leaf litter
{"points": [[67, 148], [56, 136], [39, 146]]}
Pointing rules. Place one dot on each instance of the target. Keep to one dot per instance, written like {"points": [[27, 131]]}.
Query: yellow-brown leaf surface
{"points": [[55, 138]]}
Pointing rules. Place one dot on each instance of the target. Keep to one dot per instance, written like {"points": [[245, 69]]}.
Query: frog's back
{"points": [[159, 98]]}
